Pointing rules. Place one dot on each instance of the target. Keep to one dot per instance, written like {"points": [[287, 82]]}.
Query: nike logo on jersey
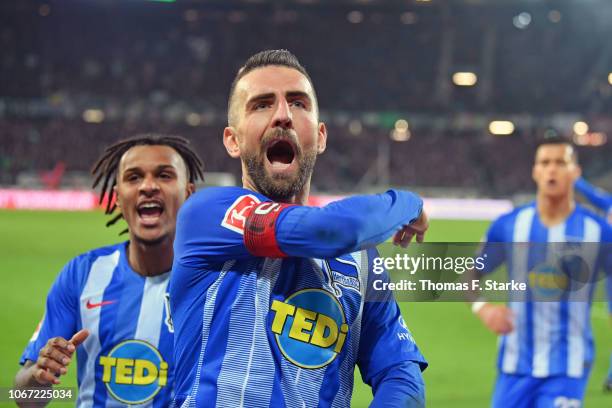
{"points": [[90, 305]]}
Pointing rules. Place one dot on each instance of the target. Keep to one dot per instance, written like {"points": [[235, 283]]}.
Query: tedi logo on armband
{"points": [[310, 327], [134, 372]]}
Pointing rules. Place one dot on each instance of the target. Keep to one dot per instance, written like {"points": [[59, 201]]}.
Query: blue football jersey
{"points": [[256, 331], [550, 337], [127, 358], [598, 197]]}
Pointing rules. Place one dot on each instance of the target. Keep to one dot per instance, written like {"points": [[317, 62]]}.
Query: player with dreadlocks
{"points": [[112, 301]]}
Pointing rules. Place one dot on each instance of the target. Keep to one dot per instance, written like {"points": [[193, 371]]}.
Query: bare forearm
{"points": [[25, 379]]}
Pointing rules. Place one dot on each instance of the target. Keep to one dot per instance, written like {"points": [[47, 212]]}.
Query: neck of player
{"points": [[301, 198], [150, 259], [555, 209]]}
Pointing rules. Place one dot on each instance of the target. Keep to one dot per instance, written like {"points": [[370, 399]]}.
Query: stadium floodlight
{"points": [[401, 125], [355, 17], [610, 78], [501, 127], [400, 136], [401, 131], [581, 128], [93, 116], [522, 20], [193, 119], [465, 78]]}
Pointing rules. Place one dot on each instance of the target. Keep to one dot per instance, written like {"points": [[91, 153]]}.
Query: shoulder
{"points": [[226, 206], [213, 200], [81, 265], [596, 222], [221, 195], [521, 210], [501, 228], [96, 254], [589, 214], [73, 277]]}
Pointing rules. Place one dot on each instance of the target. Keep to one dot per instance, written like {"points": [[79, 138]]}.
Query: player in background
{"points": [[546, 349], [603, 201], [109, 305], [272, 300]]}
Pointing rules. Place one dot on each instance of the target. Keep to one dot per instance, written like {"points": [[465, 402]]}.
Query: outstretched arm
{"points": [[344, 226], [222, 223], [596, 196]]}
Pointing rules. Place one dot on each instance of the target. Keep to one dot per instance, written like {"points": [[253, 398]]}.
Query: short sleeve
{"points": [[61, 311]]}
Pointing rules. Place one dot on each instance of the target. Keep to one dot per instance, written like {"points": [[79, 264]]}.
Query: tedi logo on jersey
{"points": [[134, 372], [310, 327]]}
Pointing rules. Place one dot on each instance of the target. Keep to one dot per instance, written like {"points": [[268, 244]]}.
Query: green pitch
{"points": [[35, 245]]}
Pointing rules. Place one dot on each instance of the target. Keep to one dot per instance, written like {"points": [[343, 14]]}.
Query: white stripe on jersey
{"points": [[149, 324], [578, 317], [100, 275], [361, 260], [546, 315], [522, 230], [262, 291], [346, 372], [152, 309], [207, 315], [578, 311], [241, 371]]}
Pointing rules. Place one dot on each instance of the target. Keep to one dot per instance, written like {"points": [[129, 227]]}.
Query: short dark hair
{"points": [[557, 140], [282, 58], [106, 168]]}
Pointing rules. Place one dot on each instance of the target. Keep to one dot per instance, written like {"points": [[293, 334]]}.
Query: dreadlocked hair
{"points": [[106, 169]]}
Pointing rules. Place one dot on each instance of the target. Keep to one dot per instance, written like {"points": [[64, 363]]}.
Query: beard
{"points": [[280, 187]]}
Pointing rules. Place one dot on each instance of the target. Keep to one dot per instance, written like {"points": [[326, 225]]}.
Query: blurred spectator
{"points": [[470, 160], [148, 64]]}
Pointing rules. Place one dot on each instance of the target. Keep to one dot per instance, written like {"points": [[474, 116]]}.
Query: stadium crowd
{"points": [[180, 58], [488, 165], [188, 52]]}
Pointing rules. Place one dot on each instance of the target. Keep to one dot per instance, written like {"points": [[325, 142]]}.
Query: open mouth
{"points": [[150, 211], [280, 154], [551, 182]]}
